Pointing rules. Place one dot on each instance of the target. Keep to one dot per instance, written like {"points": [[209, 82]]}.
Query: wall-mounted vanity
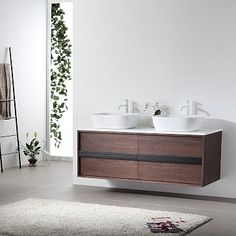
{"points": [[191, 158]]}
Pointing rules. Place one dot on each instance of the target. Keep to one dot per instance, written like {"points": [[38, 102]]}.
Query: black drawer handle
{"points": [[143, 158]]}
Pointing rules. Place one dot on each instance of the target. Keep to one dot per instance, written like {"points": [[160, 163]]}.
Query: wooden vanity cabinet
{"points": [[166, 158]]}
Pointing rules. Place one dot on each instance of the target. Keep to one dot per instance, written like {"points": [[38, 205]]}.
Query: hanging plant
{"points": [[60, 70]]}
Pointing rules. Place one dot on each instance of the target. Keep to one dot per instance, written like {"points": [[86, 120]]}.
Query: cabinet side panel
{"points": [[212, 158], [78, 149]]}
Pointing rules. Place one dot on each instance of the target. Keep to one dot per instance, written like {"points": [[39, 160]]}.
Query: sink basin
{"points": [[178, 123], [115, 120]]}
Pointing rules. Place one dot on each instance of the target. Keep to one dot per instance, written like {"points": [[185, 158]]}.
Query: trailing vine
{"points": [[60, 70]]}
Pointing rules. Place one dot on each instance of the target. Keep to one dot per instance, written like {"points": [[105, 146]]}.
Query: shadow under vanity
{"points": [[191, 158]]}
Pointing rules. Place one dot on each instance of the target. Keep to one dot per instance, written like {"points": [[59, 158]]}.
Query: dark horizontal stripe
{"points": [[107, 155], [170, 159], [144, 158]]}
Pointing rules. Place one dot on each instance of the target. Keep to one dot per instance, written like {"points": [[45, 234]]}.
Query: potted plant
{"points": [[32, 149]]}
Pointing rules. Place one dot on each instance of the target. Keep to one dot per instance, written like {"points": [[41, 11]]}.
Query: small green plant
{"points": [[157, 109], [32, 147]]}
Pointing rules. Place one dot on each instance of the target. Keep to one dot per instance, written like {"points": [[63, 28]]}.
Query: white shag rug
{"points": [[36, 217]]}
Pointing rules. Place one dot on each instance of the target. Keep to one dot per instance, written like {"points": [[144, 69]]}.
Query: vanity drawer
{"points": [[171, 173], [170, 146], [108, 168], [108, 143]]}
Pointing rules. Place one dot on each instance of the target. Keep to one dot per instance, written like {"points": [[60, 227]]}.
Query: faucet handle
{"points": [[187, 107], [188, 102], [127, 100], [129, 105], [126, 105]]}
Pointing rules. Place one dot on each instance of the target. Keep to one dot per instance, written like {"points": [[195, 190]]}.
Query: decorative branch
{"points": [[158, 110], [60, 70]]}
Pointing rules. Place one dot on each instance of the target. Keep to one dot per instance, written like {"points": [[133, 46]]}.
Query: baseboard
{"points": [[60, 158]]}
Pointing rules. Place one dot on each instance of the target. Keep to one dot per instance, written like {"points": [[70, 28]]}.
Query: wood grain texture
{"points": [[171, 173], [108, 168], [170, 145], [212, 158], [130, 157], [104, 142]]}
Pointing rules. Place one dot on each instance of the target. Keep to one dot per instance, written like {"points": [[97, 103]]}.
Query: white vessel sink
{"points": [[178, 123], [115, 120]]}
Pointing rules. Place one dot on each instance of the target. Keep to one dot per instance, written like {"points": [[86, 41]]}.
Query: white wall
{"points": [[158, 49], [23, 27]]}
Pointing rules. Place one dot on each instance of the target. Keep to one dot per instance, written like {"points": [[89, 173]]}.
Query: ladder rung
{"points": [[9, 153], [7, 100], [7, 118], [8, 136]]}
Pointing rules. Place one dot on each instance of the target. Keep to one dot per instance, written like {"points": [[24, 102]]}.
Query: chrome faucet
{"points": [[198, 109], [186, 107], [128, 106], [193, 108]]}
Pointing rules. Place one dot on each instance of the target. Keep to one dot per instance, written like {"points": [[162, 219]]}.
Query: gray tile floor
{"points": [[53, 180]]}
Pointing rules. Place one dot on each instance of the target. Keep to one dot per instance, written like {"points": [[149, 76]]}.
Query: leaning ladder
{"points": [[15, 118]]}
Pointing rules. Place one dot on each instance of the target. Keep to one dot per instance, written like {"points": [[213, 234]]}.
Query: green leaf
{"points": [[28, 146], [37, 149], [26, 152], [36, 143], [32, 142]]}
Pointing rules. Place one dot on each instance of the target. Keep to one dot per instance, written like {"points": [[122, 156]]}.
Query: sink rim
{"points": [[112, 120], [180, 117], [113, 114]]}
